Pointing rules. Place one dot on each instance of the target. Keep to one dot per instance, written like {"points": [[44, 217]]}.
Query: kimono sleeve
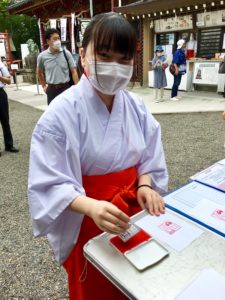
{"points": [[52, 184], [153, 160]]}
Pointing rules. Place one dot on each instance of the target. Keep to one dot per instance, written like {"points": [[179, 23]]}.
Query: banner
{"points": [[73, 49], [40, 34], [83, 25], [53, 23], [63, 23]]}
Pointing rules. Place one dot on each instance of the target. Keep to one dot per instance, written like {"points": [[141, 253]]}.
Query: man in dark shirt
{"points": [[179, 61], [4, 109]]}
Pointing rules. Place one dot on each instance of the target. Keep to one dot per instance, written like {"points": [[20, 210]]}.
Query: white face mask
{"points": [[57, 44], [111, 77]]}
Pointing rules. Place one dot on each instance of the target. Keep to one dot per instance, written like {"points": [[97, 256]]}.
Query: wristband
{"points": [[144, 185]]}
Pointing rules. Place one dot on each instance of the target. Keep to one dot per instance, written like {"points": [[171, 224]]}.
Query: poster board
{"points": [[14, 67], [2, 47], [24, 52], [206, 73]]}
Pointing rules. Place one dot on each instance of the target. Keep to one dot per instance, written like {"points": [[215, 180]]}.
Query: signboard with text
{"points": [[206, 73], [211, 18], [174, 24]]}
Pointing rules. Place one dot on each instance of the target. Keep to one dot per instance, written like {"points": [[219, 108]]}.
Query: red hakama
{"points": [[85, 281]]}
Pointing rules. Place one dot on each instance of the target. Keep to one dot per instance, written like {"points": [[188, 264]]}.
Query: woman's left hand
{"points": [[150, 199]]}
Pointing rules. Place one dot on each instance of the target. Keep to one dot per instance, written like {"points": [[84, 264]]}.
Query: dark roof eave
{"points": [[149, 6], [133, 6], [17, 5]]}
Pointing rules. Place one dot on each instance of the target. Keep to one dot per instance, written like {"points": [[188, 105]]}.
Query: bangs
{"points": [[116, 34]]}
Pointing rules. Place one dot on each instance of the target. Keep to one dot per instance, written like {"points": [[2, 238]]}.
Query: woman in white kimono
{"points": [[96, 141]]}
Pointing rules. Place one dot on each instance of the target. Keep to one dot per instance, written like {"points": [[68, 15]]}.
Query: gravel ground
{"points": [[192, 142]]}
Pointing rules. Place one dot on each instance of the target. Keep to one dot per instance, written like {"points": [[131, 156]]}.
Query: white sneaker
{"points": [[157, 100], [174, 99]]}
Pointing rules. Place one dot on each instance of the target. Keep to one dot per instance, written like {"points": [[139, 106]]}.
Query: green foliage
{"points": [[3, 6], [20, 27]]}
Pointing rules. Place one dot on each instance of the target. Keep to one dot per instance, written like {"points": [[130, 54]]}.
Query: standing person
{"points": [[159, 65], [4, 109], [52, 67], [179, 61], [221, 80], [4, 61], [223, 114], [96, 157]]}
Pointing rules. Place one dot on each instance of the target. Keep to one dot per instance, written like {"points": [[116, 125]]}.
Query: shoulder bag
{"points": [[71, 82], [172, 69]]}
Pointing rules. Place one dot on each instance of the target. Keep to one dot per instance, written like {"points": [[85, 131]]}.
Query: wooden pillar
{"points": [[112, 5], [146, 49], [8, 48], [70, 33]]}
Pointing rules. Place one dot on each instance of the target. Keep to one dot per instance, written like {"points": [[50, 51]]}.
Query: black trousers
{"points": [[176, 83], [52, 92], [4, 118]]}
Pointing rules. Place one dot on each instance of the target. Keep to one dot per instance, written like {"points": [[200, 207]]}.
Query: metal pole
{"points": [[37, 83], [91, 8], [16, 81]]}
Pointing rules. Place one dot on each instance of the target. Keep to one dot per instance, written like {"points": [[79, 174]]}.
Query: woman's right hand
{"points": [[108, 217]]}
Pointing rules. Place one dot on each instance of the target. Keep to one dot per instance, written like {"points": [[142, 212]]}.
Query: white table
{"points": [[164, 280]]}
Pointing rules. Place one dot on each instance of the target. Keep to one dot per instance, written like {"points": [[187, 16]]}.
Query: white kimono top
{"points": [[78, 136]]}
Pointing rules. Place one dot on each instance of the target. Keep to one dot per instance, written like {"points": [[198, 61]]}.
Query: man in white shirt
{"points": [[4, 109]]}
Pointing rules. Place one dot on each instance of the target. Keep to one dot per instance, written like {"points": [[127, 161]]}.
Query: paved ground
{"points": [[192, 141], [195, 101]]}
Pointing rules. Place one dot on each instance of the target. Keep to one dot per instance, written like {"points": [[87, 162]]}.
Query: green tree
{"points": [[3, 5], [20, 27]]}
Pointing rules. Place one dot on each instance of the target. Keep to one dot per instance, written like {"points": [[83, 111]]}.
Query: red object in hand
{"points": [[134, 241]]}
